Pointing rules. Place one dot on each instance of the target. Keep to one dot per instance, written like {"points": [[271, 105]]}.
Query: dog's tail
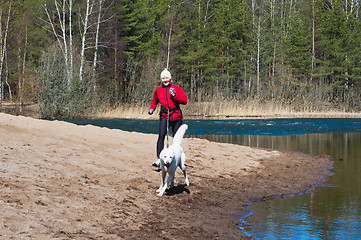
{"points": [[178, 138]]}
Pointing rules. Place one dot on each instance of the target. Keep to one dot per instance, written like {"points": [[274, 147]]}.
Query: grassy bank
{"points": [[220, 110], [230, 109]]}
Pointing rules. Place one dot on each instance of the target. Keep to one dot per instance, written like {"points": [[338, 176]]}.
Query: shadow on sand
{"points": [[177, 190]]}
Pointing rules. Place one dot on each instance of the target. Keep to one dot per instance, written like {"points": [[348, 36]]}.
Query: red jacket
{"points": [[162, 96]]}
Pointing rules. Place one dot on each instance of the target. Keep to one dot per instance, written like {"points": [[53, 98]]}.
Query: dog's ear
{"points": [[161, 155]]}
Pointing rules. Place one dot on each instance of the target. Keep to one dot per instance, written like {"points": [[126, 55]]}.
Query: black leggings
{"points": [[163, 131]]}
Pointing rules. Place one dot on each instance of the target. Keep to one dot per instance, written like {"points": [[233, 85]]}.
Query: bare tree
{"points": [[21, 67], [7, 78], [62, 37], [88, 12], [71, 67], [272, 7], [97, 43], [3, 44], [313, 38], [258, 55]]}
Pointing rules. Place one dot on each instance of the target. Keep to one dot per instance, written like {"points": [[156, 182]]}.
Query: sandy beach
{"points": [[63, 181]]}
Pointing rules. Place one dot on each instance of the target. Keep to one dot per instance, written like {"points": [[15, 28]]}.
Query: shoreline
{"points": [[32, 110], [93, 182], [226, 117]]}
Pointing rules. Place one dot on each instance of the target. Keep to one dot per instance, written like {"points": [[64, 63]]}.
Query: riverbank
{"points": [[197, 111], [60, 180], [230, 110]]}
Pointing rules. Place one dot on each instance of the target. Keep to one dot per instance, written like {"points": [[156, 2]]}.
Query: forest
{"points": [[74, 57]]}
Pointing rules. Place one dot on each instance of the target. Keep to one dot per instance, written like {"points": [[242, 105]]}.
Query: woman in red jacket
{"points": [[169, 96]]}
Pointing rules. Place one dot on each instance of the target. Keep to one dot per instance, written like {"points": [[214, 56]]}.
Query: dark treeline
{"points": [[74, 57]]}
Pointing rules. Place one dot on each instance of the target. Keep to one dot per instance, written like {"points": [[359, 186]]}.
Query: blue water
{"points": [[275, 127], [330, 211]]}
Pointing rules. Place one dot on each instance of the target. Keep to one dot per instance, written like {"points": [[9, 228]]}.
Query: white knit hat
{"points": [[165, 73]]}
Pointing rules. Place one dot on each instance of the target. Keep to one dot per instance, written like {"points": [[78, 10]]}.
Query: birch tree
{"points": [[7, 80], [101, 18], [22, 63], [62, 37], [3, 45], [85, 22], [258, 37], [71, 66], [97, 44], [256, 48], [313, 39]]}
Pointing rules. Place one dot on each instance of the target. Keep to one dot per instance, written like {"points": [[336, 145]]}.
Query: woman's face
{"points": [[165, 81]]}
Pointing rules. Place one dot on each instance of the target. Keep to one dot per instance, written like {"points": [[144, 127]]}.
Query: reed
{"points": [[229, 109], [139, 110]]}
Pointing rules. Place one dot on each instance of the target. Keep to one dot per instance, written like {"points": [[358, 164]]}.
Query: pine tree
{"points": [[333, 43], [299, 54]]}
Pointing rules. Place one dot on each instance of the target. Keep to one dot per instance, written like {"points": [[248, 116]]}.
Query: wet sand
{"points": [[63, 181]]}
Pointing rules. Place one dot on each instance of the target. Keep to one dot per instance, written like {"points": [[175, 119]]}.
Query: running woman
{"points": [[169, 96]]}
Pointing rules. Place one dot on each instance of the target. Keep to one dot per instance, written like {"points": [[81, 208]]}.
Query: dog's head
{"points": [[166, 157]]}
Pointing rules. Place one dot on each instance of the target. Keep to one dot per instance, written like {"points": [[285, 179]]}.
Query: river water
{"points": [[330, 211]]}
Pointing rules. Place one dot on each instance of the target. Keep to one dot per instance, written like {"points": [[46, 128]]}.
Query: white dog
{"points": [[171, 158]]}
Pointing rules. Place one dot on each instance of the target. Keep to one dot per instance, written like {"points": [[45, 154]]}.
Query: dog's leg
{"points": [[185, 176], [162, 180], [183, 167], [162, 190], [169, 180], [172, 173], [164, 187], [172, 183]]}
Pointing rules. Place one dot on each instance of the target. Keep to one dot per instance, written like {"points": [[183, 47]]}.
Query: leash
{"points": [[168, 129], [170, 34]]}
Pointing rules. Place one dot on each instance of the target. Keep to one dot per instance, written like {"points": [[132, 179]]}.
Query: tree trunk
{"points": [[71, 68], [258, 55], [62, 44], [120, 85], [273, 3], [3, 50], [313, 40], [7, 83], [89, 9], [96, 45], [192, 84], [169, 38], [63, 28], [22, 75]]}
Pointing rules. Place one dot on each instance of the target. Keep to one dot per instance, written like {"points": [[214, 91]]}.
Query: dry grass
{"points": [[233, 109], [126, 111], [227, 109]]}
